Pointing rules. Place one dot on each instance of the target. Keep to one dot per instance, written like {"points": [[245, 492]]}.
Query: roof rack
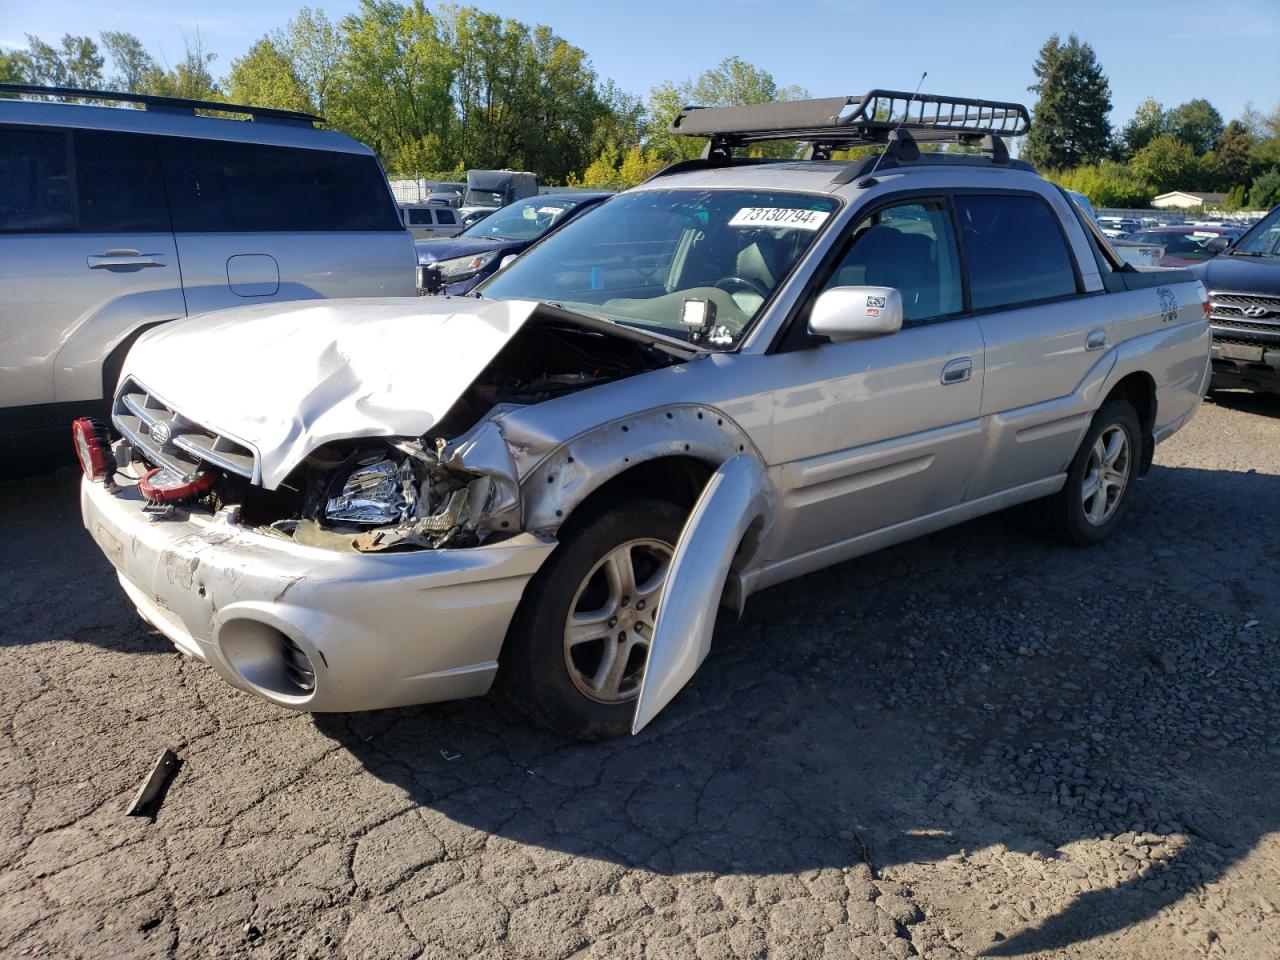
{"points": [[840, 122], [179, 105]]}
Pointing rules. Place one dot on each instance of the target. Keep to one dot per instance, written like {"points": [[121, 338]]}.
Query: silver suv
{"points": [[737, 373], [115, 220]]}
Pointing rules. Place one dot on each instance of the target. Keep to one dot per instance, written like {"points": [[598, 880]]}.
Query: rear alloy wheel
{"points": [[1106, 475], [1100, 479], [577, 646]]}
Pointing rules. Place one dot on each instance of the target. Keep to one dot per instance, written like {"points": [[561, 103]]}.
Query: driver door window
{"points": [[910, 247]]}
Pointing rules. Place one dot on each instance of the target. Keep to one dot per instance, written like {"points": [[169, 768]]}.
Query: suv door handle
{"points": [[1096, 340], [958, 370], [124, 259]]}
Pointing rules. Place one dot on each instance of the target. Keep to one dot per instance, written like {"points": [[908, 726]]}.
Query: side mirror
{"points": [[856, 313], [1217, 245], [429, 280]]}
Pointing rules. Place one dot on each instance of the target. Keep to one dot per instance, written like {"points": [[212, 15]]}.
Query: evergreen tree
{"points": [[1234, 155], [1069, 125]]}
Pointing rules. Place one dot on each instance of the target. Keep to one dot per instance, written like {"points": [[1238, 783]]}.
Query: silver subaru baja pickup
{"points": [[734, 374]]}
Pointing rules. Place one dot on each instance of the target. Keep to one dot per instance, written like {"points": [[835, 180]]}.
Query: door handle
{"points": [[117, 259], [1096, 340], [957, 371]]}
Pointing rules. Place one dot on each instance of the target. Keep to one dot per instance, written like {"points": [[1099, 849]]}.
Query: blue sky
{"points": [[1227, 51]]}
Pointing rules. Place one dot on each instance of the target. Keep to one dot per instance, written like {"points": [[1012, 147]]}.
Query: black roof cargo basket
{"points": [[180, 105], [839, 122]]}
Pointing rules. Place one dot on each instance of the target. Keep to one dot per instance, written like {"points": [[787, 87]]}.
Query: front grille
{"points": [[1232, 323], [1232, 306], [168, 439]]}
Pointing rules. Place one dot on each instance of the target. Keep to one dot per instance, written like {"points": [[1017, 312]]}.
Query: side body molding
{"points": [[736, 497]]}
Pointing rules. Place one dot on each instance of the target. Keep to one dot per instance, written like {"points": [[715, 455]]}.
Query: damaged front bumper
{"points": [[310, 628]]}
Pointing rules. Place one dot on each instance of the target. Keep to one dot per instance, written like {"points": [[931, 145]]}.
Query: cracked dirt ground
{"points": [[978, 744]]}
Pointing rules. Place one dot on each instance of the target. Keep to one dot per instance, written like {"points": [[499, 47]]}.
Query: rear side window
{"points": [[1014, 251], [221, 187], [118, 184], [419, 218], [446, 217], [35, 188]]}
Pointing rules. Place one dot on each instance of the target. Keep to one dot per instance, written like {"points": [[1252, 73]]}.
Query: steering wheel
{"points": [[731, 284]]}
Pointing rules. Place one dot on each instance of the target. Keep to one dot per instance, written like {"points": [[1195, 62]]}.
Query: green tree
{"points": [[11, 68], [1197, 124], [1265, 192], [130, 59], [733, 82], [395, 72], [1148, 123], [1106, 184], [313, 47], [1237, 198], [192, 78], [1232, 162], [1166, 163], [76, 63], [1069, 125], [265, 77]]}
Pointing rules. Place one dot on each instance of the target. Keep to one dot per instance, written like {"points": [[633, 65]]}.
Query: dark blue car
{"points": [[455, 265]]}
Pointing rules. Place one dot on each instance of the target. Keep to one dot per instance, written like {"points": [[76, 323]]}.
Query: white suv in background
{"points": [[114, 220]]}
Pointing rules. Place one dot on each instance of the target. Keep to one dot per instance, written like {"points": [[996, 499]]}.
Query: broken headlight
{"points": [[459, 268], [376, 490]]}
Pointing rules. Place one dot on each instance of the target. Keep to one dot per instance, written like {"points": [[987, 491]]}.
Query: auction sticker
{"points": [[783, 217]]}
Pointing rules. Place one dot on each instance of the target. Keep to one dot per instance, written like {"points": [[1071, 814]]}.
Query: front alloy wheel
{"points": [[576, 649], [611, 620]]}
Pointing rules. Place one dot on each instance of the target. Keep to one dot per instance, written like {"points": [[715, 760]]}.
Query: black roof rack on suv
{"points": [[161, 104], [894, 119], [855, 121]]}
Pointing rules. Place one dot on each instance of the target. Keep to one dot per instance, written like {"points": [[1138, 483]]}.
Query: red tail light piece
{"points": [[163, 486], [93, 448]]}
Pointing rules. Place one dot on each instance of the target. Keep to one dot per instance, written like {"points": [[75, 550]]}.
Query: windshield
{"points": [[1263, 240], [483, 198], [1188, 244], [639, 257], [522, 220]]}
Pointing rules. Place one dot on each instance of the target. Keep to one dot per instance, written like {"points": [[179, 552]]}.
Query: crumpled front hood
{"points": [[288, 378]]}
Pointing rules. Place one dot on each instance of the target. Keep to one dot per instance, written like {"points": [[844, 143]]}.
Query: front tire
{"points": [[1100, 480], [577, 646]]}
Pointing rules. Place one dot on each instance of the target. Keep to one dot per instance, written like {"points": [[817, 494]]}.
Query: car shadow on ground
{"points": [[980, 687], [1248, 401]]}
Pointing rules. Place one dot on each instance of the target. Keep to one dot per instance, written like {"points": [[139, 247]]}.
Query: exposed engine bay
{"points": [[378, 494]]}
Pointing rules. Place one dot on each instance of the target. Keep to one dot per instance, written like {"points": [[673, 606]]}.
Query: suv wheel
{"points": [[1100, 480], [577, 646]]}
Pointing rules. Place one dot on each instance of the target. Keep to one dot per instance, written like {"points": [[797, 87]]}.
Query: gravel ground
{"points": [[977, 744]]}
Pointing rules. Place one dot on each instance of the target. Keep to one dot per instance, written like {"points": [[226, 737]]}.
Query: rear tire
{"points": [[608, 570], [1100, 480]]}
